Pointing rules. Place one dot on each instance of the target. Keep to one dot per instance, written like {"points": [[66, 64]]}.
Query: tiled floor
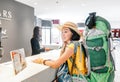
{"points": [[117, 59]]}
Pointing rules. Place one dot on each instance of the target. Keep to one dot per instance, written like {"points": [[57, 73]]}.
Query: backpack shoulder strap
{"points": [[88, 57], [110, 57], [75, 50], [82, 49]]}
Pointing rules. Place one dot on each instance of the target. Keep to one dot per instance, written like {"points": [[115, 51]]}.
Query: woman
{"points": [[69, 33], [35, 42]]}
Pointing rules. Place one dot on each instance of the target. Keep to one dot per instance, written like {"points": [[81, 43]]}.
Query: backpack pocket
{"points": [[98, 55], [99, 77]]}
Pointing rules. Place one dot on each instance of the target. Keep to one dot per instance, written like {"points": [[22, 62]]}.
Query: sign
{"points": [[18, 59], [116, 33], [57, 21], [5, 15]]}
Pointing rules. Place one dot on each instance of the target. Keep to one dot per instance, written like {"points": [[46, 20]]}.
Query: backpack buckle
{"points": [[97, 48]]}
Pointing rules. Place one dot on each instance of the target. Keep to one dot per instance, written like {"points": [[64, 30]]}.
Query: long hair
{"points": [[36, 33], [75, 36]]}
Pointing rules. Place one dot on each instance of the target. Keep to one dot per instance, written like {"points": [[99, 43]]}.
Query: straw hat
{"points": [[71, 25]]}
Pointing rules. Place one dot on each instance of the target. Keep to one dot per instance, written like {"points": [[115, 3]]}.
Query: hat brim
{"points": [[61, 27]]}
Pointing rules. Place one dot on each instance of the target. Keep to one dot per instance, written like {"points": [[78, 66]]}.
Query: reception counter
{"points": [[33, 72]]}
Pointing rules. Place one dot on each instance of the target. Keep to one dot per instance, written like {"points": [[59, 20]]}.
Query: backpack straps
{"points": [[88, 56], [75, 51], [110, 54], [76, 44], [82, 49]]}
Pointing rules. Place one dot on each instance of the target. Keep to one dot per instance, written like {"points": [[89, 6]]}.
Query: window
{"points": [[49, 33]]}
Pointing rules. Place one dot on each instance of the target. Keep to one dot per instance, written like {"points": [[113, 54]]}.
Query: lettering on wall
{"points": [[5, 15], [4, 34]]}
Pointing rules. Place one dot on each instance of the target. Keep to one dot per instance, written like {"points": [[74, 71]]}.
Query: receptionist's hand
{"points": [[38, 60], [47, 49]]}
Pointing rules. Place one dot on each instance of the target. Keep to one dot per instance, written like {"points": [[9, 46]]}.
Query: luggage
{"points": [[97, 43]]}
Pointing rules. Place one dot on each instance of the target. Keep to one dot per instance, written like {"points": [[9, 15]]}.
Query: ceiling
{"points": [[75, 10]]}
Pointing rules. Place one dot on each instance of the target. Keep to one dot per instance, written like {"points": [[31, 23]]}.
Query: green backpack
{"points": [[97, 43]]}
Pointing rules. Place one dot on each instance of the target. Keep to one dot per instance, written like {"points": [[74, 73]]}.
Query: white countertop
{"points": [[33, 72]]}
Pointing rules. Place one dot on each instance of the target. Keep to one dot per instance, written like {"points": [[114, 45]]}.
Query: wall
{"points": [[17, 25]]}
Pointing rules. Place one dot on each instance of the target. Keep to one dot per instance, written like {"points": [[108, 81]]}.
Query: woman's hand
{"points": [[38, 60], [47, 49]]}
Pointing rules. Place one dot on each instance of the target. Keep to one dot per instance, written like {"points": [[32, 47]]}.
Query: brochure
{"points": [[18, 59]]}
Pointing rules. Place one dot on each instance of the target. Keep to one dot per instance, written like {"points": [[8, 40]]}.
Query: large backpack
{"points": [[97, 43]]}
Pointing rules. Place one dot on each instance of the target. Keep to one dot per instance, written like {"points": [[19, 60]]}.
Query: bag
{"points": [[79, 78], [97, 43], [63, 75]]}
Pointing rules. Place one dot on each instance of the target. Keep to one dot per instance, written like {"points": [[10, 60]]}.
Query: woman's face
{"points": [[66, 35]]}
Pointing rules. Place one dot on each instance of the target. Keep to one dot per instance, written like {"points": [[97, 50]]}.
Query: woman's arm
{"points": [[56, 63]]}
